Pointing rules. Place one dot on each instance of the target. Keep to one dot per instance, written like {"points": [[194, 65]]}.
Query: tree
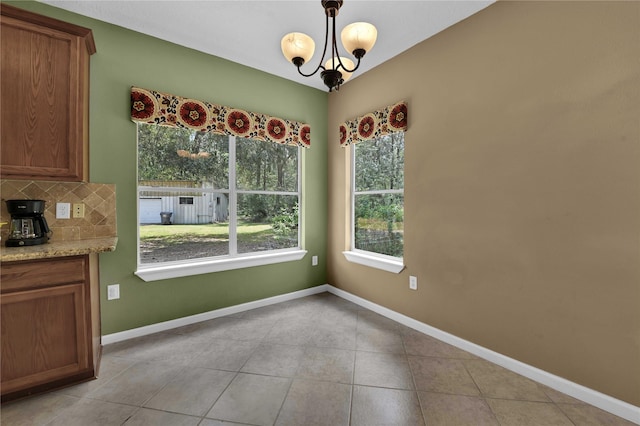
{"points": [[160, 159]]}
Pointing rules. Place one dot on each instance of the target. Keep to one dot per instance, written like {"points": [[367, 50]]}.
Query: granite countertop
{"points": [[58, 249]]}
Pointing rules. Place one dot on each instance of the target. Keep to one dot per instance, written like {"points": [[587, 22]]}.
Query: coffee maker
{"points": [[28, 225]]}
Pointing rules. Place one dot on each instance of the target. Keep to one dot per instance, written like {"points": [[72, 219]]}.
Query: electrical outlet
{"points": [[314, 261], [78, 210], [63, 210], [413, 282], [113, 291]]}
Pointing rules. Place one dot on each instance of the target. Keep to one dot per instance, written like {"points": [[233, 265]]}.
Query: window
{"points": [[227, 197], [377, 187], [378, 202]]}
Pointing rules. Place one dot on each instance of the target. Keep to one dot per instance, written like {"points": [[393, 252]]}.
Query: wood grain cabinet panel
{"points": [[48, 313], [45, 339], [44, 97]]}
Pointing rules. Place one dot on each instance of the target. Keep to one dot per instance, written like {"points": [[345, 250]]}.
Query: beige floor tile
{"points": [[334, 365], [135, 348], [110, 367], [369, 320], [251, 399], [294, 363], [587, 415], [526, 413], [212, 329], [379, 406], [418, 344], [146, 417], [192, 392], [172, 348], [274, 360], [455, 410], [379, 340], [291, 332], [442, 375], [37, 410], [559, 397], [334, 316], [270, 313], [339, 337], [248, 329], [498, 382], [94, 413], [225, 354], [311, 402], [137, 384], [383, 370], [211, 422]]}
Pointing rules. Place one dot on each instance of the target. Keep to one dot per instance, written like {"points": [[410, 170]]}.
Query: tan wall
{"points": [[522, 191]]}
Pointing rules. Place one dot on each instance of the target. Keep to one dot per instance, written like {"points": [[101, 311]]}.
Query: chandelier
{"points": [[357, 38]]}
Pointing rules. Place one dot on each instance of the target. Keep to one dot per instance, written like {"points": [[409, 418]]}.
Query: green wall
{"points": [[126, 58]]}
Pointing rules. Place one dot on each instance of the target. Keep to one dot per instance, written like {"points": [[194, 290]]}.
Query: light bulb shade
{"points": [[297, 45], [333, 63], [359, 35]]}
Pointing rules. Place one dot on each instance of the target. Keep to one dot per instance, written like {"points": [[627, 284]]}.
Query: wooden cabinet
{"points": [[50, 324], [44, 97]]}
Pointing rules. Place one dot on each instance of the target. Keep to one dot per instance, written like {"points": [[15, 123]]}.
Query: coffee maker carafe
{"points": [[28, 225]]}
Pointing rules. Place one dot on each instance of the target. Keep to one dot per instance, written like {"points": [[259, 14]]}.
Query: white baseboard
{"points": [[590, 396], [205, 316]]}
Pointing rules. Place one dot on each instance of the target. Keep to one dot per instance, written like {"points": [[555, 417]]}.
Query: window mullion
{"points": [[233, 199]]}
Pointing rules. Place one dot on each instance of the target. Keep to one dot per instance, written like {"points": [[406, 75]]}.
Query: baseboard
{"points": [[205, 316], [590, 396]]}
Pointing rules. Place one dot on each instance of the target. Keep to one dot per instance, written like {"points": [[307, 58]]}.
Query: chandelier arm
{"points": [[347, 69], [324, 49], [335, 49], [337, 54]]}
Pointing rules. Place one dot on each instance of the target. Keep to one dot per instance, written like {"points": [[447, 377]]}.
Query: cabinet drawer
{"points": [[42, 273]]}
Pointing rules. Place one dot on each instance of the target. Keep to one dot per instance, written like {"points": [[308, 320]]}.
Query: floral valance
{"points": [[375, 124], [149, 106]]}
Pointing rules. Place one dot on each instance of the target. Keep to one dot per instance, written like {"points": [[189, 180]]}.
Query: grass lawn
{"points": [[176, 233]]}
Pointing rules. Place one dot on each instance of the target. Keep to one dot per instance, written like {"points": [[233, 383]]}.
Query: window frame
{"points": [[233, 260], [363, 257]]}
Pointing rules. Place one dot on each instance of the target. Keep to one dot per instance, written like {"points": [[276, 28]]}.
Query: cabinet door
{"points": [[42, 96], [44, 336]]}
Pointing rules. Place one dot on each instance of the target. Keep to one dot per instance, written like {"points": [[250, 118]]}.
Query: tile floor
{"points": [[311, 361]]}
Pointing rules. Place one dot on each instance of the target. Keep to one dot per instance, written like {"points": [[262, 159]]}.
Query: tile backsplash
{"points": [[99, 212]]}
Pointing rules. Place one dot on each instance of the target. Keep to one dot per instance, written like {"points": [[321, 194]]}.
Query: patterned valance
{"points": [[149, 106], [375, 124]]}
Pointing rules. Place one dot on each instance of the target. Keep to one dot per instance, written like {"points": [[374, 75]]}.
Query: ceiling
{"points": [[249, 31]]}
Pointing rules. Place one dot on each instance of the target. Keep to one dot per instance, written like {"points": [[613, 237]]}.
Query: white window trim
{"points": [[189, 267], [378, 261], [208, 265]]}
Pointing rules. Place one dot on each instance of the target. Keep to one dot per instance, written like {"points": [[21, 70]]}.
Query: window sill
{"points": [[197, 267], [385, 263]]}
